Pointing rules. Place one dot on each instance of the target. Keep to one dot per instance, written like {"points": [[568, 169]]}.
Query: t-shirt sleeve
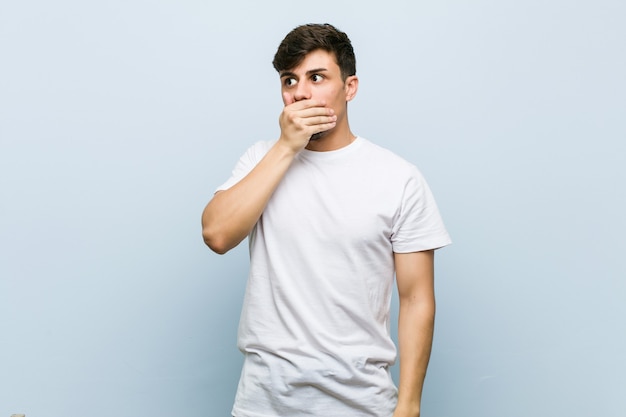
{"points": [[418, 225], [246, 163]]}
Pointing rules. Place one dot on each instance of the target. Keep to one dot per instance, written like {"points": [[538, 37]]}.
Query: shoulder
{"points": [[380, 158], [257, 151], [247, 162]]}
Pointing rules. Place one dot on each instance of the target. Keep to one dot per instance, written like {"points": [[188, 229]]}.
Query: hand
{"points": [[302, 119]]}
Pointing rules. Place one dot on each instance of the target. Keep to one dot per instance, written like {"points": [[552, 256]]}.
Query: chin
{"points": [[319, 135]]}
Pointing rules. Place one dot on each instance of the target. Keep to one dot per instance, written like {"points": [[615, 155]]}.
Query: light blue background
{"points": [[119, 118]]}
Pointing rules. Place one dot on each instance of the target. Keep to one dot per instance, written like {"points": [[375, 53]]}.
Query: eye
{"points": [[316, 78], [289, 82]]}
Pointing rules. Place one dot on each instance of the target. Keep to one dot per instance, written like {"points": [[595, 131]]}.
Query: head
{"points": [[310, 37]]}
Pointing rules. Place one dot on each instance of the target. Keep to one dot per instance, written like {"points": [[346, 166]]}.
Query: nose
{"points": [[302, 91]]}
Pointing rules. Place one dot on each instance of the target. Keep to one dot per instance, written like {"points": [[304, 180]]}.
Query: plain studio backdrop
{"points": [[119, 118]]}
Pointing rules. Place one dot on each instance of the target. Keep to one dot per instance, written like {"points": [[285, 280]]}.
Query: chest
{"points": [[335, 204]]}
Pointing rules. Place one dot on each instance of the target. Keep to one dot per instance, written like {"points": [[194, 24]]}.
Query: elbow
{"points": [[214, 241], [213, 235], [219, 235]]}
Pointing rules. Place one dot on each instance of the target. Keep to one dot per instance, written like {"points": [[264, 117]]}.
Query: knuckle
{"points": [[292, 117]]}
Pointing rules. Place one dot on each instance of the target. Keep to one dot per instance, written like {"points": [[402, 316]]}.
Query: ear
{"points": [[351, 85]]}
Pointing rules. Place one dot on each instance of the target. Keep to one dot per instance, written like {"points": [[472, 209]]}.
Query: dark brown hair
{"points": [[310, 37]]}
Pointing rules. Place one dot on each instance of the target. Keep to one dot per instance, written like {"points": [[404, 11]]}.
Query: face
{"points": [[318, 77]]}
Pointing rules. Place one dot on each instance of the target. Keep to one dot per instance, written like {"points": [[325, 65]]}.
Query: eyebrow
{"points": [[309, 72]]}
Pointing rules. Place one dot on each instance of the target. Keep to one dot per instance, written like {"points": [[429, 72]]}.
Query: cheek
{"points": [[339, 100], [335, 96], [287, 98]]}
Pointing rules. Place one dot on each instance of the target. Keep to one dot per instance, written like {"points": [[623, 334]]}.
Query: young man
{"points": [[330, 217]]}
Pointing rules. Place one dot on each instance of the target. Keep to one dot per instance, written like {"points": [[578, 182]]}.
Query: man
{"points": [[330, 217]]}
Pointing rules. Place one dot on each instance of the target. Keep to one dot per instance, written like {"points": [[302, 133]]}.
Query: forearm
{"points": [[231, 214], [415, 277], [415, 335]]}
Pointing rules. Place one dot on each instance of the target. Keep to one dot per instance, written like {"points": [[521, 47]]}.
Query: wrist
{"points": [[287, 148], [407, 410]]}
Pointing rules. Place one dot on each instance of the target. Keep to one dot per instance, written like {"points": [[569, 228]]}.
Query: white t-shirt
{"points": [[314, 327]]}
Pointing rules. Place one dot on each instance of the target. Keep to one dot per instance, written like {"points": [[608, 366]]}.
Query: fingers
{"points": [[301, 120], [320, 120], [309, 117], [322, 127], [307, 108], [290, 99], [308, 113], [313, 113], [301, 104]]}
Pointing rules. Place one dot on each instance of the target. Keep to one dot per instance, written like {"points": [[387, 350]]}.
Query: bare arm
{"points": [[231, 214], [415, 278]]}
